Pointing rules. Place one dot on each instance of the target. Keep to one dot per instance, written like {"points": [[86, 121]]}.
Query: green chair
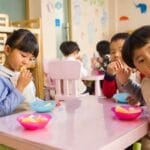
{"points": [[137, 146]]}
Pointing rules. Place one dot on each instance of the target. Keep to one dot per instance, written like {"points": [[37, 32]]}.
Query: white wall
{"points": [[91, 21], [131, 9], [45, 10]]}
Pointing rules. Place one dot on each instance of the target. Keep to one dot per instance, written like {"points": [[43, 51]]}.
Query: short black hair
{"points": [[68, 47], [139, 38], [103, 48], [119, 36], [23, 40]]}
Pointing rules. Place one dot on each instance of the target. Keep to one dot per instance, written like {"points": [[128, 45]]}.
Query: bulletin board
{"points": [[16, 9], [89, 19]]}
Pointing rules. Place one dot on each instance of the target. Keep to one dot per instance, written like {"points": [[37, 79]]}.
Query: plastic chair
{"points": [[65, 74], [49, 84]]}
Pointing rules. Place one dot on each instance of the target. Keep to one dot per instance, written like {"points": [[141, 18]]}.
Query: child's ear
{"points": [[7, 50]]}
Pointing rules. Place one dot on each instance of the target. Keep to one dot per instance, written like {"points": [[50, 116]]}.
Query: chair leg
{"points": [[137, 146]]}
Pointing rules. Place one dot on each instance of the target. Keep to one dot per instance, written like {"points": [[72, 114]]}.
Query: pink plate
{"points": [[34, 121], [127, 116]]}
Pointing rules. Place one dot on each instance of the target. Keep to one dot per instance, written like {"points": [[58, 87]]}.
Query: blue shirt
{"points": [[10, 97]]}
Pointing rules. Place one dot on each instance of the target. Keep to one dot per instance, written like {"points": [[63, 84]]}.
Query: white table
{"points": [[82, 124], [96, 79]]}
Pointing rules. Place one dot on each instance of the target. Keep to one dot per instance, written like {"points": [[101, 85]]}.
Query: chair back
{"points": [[65, 75]]}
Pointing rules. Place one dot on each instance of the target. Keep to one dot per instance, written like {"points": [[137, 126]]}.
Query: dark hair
{"points": [[119, 36], [102, 48], [23, 40], [137, 39], [69, 47]]}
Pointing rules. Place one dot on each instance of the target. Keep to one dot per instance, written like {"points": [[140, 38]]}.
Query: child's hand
{"points": [[112, 68], [123, 72], [132, 101], [24, 79]]}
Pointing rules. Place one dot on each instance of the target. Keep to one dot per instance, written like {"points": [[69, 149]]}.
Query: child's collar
{"points": [[6, 72]]}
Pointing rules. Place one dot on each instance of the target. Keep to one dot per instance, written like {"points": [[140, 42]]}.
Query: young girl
{"points": [[114, 79], [20, 48], [136, 53]]}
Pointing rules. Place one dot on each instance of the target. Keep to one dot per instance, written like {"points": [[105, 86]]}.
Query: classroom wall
{"points": [[45, 10], [89, 19], [16, 9], [92, 20], [131, 14]]}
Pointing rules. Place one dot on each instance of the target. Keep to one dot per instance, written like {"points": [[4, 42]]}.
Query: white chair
{"points": [[65, 74]]}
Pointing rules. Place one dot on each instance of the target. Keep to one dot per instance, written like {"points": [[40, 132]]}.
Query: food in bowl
{"points": [[127, 112], [34, 121]]}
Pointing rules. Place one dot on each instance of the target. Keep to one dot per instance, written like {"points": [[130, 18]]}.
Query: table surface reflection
{"points": [[85, 123]]}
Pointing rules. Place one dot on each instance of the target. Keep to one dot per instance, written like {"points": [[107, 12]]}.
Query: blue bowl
{"points": [[121, 97], [43, 106]]}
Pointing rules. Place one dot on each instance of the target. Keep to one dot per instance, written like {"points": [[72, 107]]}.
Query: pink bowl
{"points": [[127, 116], [34, 121]]}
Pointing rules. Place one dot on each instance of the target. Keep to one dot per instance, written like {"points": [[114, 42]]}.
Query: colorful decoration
{"points": [[124, 18], [77, 12], [104, 17], [101, 2], [141, 6], [57, 22], [50, 7], [58, 5], [91, 32]]}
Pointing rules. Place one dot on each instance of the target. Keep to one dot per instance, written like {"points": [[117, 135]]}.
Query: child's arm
{"points": [[109, 86], [10, 97], [135, 91]]}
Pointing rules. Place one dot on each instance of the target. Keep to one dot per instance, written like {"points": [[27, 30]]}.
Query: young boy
{"points": [[70, 50], [114, 78]]}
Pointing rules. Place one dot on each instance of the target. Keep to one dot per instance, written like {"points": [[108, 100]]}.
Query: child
{"points": [[136, 53], [70, 50], [113, 79], [20, 49], [99, 64]]}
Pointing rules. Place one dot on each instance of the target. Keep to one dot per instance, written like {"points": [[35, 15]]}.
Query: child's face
{"points": [[141, 59], [15, 58], [115, 49]]}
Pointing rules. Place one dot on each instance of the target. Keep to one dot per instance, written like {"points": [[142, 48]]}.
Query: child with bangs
{"points": [[17, 87]]}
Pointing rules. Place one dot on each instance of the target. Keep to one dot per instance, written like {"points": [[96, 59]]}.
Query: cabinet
{"points": [[38, 69]]}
